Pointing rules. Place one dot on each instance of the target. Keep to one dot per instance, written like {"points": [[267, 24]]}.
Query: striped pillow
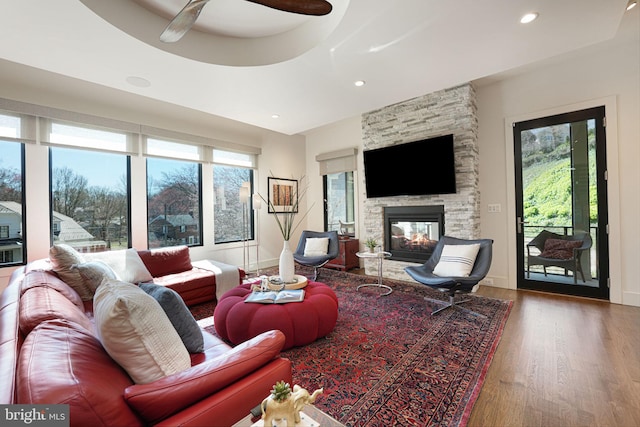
{"points": [[457, 260]]}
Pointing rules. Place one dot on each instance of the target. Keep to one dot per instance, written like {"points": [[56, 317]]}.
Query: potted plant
{"points": [[371, 243]]}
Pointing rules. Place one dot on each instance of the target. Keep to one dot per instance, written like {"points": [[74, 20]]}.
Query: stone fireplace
{"points": [[412, 232], [450, 111]]}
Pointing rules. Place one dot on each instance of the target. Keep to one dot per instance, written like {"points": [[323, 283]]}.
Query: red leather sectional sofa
{"points": [[171, 267], [50, 353]]}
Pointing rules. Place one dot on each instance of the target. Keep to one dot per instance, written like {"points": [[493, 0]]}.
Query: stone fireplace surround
{"points": [[449, 111]]}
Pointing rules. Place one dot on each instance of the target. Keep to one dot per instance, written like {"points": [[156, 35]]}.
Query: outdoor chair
{"points": [[555, 250], [467, 270], [316, 248]]}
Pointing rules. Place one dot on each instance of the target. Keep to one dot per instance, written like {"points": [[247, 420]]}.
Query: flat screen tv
{"points": [[416, 168]]}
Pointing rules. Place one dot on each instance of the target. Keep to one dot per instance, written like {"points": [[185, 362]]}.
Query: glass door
{"points": [[561, 204]]}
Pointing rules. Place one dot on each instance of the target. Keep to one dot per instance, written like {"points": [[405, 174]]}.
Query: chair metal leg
{"points": [[452, 302]]}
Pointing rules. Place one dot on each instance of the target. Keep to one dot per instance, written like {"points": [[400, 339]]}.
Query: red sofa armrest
{"points": [[165, 397]]}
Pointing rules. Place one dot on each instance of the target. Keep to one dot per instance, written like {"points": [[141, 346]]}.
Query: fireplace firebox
{"points": [[411, 232]]}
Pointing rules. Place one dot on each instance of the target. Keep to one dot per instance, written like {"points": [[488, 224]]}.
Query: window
{"points": [[339, 202], [174, 199], [337, 168], [12, 248], [233, 219], [233, 214], [6, 257], [90, 199]]}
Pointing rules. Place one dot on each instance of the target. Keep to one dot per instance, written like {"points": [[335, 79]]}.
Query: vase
{"points": [[286, 265]]}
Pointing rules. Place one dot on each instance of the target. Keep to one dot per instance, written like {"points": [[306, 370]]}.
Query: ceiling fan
{"points": [[185, 19]]}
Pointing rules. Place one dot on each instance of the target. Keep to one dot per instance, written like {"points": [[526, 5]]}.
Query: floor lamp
{"points": [[244, 199], [257, 204]]}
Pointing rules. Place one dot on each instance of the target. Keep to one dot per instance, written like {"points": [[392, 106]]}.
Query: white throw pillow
{"points": [[316, 246], [457, 260], [126, 263], [136, 332]]}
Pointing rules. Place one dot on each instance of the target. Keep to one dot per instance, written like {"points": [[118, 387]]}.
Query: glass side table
{"points": [[380, 256]]}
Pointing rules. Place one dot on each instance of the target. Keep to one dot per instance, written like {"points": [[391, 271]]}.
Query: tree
{"points": [[108, 213], [10, 185], [69, 191], [178, 193]]}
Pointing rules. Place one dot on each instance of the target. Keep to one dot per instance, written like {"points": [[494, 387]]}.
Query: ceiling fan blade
{"points": [[303, 7], [183, 21]]}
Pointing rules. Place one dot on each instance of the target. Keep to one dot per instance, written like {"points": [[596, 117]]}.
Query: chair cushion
{"points": [[559, 248], [457, 260], [137, 333], [316, 246], [179, 315]]}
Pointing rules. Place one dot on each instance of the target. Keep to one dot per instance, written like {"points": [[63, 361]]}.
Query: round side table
{"points": [[380, 256]]}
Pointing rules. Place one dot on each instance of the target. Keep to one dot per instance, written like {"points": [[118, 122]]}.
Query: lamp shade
{"points": [[257, 201], [244, 194]]}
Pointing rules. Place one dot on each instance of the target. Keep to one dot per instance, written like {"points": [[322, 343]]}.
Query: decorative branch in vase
{"points": [[285, 212]]}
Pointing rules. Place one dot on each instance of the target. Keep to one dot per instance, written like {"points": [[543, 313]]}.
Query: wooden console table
{"points": [[347, 258]]}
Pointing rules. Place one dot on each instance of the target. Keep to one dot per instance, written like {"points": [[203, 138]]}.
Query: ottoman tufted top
{"points": [[301, 322]]}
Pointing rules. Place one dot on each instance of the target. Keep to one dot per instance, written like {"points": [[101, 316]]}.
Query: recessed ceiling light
{"points": [[138, 81], [359, 83], [275, 116], [529, 17], [631, 4]]}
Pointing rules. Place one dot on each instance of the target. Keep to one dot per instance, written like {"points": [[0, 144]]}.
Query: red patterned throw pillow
{"points": [[559, 249]]}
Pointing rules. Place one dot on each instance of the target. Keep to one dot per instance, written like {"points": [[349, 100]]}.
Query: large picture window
{"points": [[90, 199], [174, 197]]}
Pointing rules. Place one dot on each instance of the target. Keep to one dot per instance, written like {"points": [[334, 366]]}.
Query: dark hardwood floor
{"points": [[562, 361]]}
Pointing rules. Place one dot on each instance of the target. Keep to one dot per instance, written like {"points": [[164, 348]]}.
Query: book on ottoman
{"points": [[279, 297]]}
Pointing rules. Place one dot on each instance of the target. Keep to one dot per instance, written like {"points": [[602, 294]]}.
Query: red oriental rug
{"points": [[389, 363]]}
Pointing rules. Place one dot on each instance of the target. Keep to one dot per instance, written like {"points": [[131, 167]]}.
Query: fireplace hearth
{"points": [[411, 232]]}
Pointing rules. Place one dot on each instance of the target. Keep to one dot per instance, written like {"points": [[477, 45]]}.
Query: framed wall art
{"points": [[283, 195]]}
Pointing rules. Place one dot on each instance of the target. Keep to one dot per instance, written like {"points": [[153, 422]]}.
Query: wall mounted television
{"points": [[417, 168]]}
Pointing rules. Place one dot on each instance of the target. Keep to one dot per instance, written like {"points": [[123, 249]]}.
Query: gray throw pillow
{"points": [[179, 315]]}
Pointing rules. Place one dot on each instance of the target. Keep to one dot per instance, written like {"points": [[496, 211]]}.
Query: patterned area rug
{"points": [[389, 363]]}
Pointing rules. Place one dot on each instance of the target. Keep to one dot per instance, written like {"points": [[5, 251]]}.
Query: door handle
{"points": [[519, 224]]}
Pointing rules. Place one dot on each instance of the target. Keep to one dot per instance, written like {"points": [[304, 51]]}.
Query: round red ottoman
{"points": [[301, 322]]}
